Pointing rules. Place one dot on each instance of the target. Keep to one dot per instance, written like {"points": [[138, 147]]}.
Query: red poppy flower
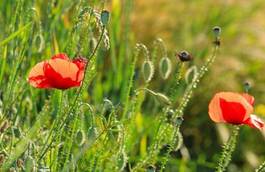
{"points": [[59, 72], [234, 108]]}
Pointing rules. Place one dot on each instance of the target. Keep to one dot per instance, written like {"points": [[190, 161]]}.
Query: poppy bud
{"points": [[165, 67], [162, 98], [148, 70], [184, 56], [104, 17], [80, 137]]}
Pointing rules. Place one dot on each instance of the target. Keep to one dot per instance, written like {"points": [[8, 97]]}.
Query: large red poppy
{"points": [[234, 108], [59, 72]]}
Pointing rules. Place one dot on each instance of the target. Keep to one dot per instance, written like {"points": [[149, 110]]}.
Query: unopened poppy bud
{"points": [[163, 98], [184, 56], [165, 67], [217, 31], [148, 70], [104, 17], [80, 137]]}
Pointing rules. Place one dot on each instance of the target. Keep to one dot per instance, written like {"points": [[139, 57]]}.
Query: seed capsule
{"points": [[184, 56]]}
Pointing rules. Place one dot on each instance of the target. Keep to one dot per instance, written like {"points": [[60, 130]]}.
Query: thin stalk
{"points": [[227, 151], [54, 124]]}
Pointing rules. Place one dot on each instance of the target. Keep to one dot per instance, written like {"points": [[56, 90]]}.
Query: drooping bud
{"points": [[80, 137], [162, 98], [165, 67], [148, 70], [184, 56], [191, 74]]}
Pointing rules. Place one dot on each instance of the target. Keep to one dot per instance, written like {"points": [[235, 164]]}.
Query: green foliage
{"points": [[128, 113]]}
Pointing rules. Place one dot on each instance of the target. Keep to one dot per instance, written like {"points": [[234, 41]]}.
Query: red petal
{"points": [[57, 80], [80, 62], [60, 56], [215, 110], [233, 112], [249, 98], [36, 77], [254, 122]]}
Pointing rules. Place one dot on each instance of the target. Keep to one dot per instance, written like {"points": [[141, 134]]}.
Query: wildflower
{"points": [[234, 108], [59, 72]]}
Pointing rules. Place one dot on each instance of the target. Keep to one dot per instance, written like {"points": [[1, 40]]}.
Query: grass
{"points": [[126, 116]]}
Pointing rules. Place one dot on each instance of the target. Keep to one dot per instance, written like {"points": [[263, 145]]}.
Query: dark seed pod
{"points": [[247, 86], [184, 56], [217, 31], [104, 17], [179, 120]]}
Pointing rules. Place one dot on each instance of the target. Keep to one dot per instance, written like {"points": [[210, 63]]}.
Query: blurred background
{"points": [[187, 25]]}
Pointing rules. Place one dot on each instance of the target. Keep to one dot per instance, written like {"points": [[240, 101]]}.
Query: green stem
{"points": [[227, 151], [54, 124]]}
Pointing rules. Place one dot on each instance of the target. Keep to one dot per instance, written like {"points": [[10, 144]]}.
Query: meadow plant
{"points": [[115, 119]]}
